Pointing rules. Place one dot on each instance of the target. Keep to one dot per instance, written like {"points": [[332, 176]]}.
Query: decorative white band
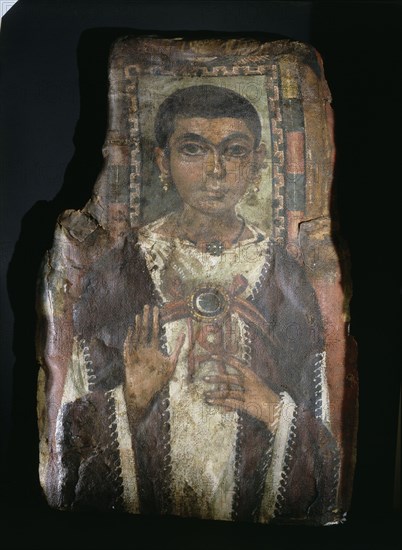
{"points": [[277, 473], [321, 389], [127, 460]]}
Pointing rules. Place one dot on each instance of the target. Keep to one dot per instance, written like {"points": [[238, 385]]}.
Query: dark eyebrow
{"points": [[197, 137], [237, 135], [190, 135]]}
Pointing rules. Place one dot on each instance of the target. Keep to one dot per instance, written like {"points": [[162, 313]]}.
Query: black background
{"points": [[53, 121]]}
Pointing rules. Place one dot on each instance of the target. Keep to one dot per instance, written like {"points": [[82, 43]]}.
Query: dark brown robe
{"points": [[284, 354]]}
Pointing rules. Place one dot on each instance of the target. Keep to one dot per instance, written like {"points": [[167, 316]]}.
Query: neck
{"points": [[205, 227]]}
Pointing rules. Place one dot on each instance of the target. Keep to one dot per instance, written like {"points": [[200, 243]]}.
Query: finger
{"points": [[174, 357], [145, 326], [138, 328], [155, 326], [128, 342], [238, 395], [249, 377], [229, 379]]}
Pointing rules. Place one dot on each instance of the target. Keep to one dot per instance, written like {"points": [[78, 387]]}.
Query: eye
{"points": [[236, 150], [192, 149]]}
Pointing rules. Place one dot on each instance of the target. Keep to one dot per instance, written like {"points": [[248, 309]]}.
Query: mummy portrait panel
{"points": [[193, 315]]}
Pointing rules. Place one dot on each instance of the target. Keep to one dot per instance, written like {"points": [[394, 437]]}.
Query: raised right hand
{"points": [[147, 368]]}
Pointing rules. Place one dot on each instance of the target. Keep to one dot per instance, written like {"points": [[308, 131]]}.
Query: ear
{"points": [[162, 161]]}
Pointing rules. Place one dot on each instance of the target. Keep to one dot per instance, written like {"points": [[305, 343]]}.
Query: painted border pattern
{"points": [[135, 178], [278, 155]]}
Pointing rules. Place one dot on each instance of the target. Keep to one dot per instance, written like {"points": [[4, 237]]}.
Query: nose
{"points": [[214, 168]]}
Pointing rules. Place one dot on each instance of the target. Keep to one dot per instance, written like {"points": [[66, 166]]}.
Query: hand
{"points": [[147, 369], [243, 391]]}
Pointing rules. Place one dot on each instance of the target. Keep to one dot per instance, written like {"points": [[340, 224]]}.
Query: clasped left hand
{"points": [[244, 391]]}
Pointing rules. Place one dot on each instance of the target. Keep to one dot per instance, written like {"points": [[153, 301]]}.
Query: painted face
{"points": [[210, 162]]}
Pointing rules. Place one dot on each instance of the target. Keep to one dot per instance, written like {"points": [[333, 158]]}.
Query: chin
{"points": [[213, 207], [208, 206]]}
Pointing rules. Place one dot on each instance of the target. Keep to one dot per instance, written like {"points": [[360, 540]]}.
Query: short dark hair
{"points": [[205, 101]]}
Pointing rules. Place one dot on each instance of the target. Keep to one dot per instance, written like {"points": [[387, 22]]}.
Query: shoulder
{"points": [[117, 285], [114, 260], [162, 227], [288, 269], [287, 283]]}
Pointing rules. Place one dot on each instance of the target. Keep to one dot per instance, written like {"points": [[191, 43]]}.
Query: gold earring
{"points": [[257, 183], [164, 182]]}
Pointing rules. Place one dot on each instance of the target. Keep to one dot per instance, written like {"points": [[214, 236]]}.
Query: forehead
{"points": [[212, 129]]}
